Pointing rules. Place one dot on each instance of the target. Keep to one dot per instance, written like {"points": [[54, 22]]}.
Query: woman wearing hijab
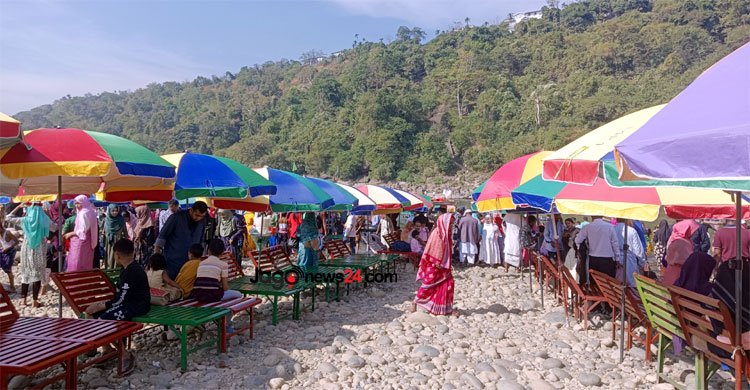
{"points": [[661, 236], [113, 227], [695, 276], [679, 247], [83, 238], [35, 227], [144, 234], [436, 293], [307, 234], [723, 290], [231, 233]]}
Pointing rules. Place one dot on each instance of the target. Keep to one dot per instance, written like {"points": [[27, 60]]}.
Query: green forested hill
{"points": [[465, 101]]}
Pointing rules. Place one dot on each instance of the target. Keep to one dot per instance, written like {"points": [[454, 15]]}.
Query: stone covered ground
{"points": [[504, 339]]}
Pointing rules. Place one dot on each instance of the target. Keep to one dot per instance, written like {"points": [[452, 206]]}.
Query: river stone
{"points": [[539, 384], [560, 373], [562, 345], [327, 368], [589, 379], [552, 363], [483, 366], [555, 317], [472, 381], [385, 341], [276, 383], [497, 309], [509, 385], [427, 350], [355, 362], [272, 360]]}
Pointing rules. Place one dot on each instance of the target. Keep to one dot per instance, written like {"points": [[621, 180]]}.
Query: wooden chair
{"points": [[695, 312], [581, 301], [411, 257], [612, 290], [662, 315], [552, 278], [31, 344], [336, 249]]}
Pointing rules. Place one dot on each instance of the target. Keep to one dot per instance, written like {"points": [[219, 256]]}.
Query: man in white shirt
{"points": [[174, 205], [603, 247]]}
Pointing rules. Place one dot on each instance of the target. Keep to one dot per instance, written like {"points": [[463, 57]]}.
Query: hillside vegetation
{"points": [[464, 102]]}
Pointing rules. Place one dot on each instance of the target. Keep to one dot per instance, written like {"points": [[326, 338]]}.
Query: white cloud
{"points": [[61, 53], [440, 14]]}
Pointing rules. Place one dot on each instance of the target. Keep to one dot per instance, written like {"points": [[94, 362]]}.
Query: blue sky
{"points": [[49, 49]]}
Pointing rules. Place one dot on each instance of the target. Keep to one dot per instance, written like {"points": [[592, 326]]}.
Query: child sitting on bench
{"points": [[211, 284], [133, 297]]}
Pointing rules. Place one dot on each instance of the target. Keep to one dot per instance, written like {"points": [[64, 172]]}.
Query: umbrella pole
{"points": [[59, 243], [738, 271], [624, 291]]}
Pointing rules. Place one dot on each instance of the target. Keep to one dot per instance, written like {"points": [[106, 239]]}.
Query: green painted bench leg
{"points": [[275, 310], [663, 344], [700, 371], [183, 347]]}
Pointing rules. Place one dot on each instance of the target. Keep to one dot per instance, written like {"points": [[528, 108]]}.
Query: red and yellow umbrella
{"points": [[496, 193], [87, 162]]}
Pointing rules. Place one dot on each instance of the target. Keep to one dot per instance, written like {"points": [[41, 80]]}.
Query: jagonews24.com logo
{"points": [[279, 278]]}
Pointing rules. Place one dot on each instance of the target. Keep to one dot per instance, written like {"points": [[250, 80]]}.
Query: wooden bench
{"points": [[582, 301], [552, 277], [612, 290], [31, 344], [663, 318], [83, 288], [412, 257], [271, 259], [336, 249], [695, 312]]}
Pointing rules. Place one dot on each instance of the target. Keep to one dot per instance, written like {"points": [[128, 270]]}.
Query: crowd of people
{"points": [[176, 252]]}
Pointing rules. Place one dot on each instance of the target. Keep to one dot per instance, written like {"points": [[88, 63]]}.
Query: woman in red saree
{"points": [[436, 293]]}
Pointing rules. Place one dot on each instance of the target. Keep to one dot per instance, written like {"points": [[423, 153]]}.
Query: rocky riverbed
{"points": [[504, 339]]}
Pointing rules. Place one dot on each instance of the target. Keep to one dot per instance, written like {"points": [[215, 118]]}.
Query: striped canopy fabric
{"points": [[342, 199], [365, 205], [578, 161], [387, 200], [88, 162], [294, 192], [203, 175], [496, 194]]}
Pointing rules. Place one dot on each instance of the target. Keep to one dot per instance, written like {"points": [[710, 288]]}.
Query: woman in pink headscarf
{"points": [[83, 238], [436, 293], [679, 248]]}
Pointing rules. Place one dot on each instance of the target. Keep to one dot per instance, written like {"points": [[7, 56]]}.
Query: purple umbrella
{"points": [[702, 134], [701, 138]]}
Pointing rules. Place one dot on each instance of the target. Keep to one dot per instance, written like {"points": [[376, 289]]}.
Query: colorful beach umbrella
{"points": [[10, 131], [387, 200], [496, 194], [702, 137], [365, 205], [294, 192], [342, 199], [475, 193], [87, 162], [203, 175], [415, 202], [579, 161]]}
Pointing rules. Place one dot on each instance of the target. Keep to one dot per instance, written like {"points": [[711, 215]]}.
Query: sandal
{"points": [[37, 304]]}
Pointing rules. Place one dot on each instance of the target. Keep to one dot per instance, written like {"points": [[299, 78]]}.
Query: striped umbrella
{"points": [[496, 194], [10, 131], [86, 162], [579, 161], [342, 199], [387, 200], [294, 192], [202, 175], [415, 202], [475, 193], [365, 205]]}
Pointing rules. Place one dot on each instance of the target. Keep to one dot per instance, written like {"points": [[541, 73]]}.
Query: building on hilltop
{"points": [[519, 17]]}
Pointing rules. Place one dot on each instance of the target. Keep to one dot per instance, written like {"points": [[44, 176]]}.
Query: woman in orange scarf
{"points": [[436, 293]]}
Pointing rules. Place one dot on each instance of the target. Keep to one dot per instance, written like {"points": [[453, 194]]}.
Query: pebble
{"points": [[552, 363], [588, 379], [355, 362], [509, 385], [539, 384], [472, 381]]}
